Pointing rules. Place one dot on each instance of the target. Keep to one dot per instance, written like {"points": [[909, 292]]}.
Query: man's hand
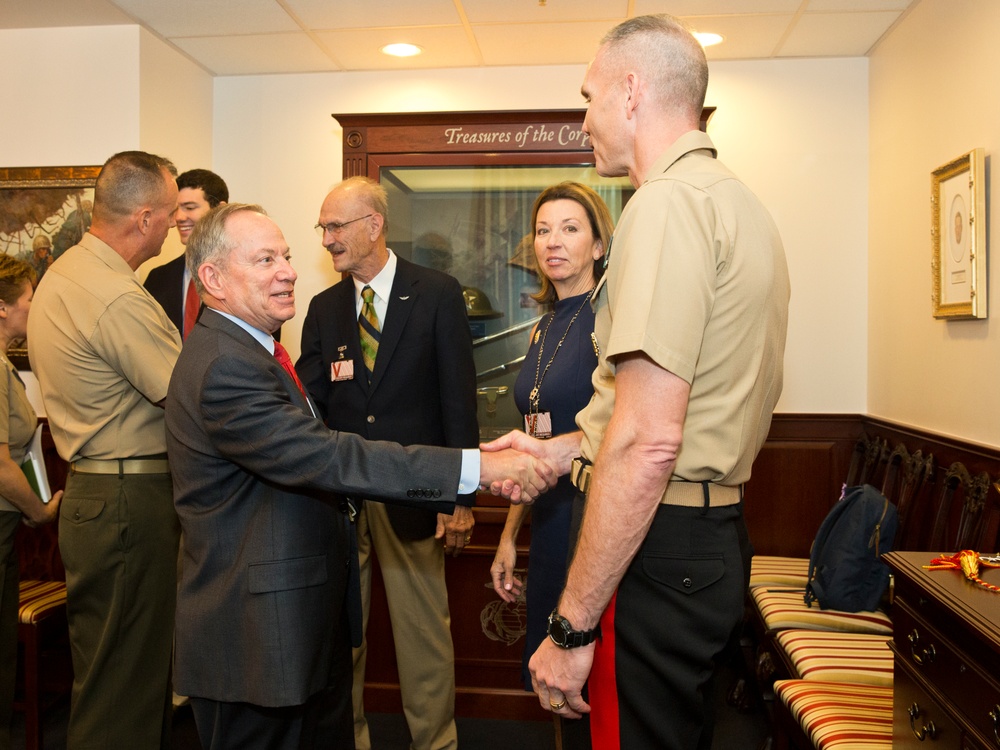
{"points": [[456, 530], [558, 676], [517, 476], [558, 452]]}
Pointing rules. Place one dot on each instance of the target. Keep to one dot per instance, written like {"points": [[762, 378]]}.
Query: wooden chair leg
{"points": [[32, 688]]}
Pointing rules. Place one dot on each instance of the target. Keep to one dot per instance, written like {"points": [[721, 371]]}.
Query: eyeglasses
{"points": [[335, 226]]}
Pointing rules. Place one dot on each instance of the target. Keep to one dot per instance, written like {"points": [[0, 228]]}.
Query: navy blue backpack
{"points": [[845, 567]]}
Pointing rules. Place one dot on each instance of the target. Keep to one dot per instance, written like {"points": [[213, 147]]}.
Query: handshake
{"points": [[519, 467]]}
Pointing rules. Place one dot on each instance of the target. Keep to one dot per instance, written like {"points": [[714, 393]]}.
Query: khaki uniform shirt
{"points": [[103, 350], [697, 282], [17, 419]]}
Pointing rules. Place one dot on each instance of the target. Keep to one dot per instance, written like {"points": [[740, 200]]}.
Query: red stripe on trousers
{"points": [[602, 687]]}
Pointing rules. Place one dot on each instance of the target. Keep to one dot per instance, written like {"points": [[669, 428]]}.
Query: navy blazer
{"points": [[166, 284], [423, 389], [266, 552]]}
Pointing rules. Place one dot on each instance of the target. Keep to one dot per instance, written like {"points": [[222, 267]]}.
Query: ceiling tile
{"points": [[256, 53], [539, 44], [327, 15], [610, 12], [41, 14], [715, 7], [358, 49], [214, 18], [862, 6], [852, 34], [745, 37]]}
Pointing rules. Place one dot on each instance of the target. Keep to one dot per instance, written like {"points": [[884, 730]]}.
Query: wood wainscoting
{"points": [[796, 479]]}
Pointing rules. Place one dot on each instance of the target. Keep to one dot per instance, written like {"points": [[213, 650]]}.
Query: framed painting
{"points": [[43, 212], [958, 235]]}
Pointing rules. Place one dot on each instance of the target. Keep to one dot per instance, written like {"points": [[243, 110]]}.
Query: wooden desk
{"points": [[946, 644]]}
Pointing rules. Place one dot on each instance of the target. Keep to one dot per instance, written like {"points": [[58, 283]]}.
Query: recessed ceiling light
{"points": [[402, 50], [707, 39]]}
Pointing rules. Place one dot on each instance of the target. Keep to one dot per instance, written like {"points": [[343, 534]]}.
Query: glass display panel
{"points": [[473, 222]]}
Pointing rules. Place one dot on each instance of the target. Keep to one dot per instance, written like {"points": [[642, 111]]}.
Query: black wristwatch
{"points": [[563, 635]]}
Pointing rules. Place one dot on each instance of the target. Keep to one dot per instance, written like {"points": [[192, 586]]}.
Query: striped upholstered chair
{"points": [[41, 624], [841, 694]]}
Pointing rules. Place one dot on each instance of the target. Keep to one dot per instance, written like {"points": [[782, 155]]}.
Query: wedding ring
{"points": [[557, 706]]}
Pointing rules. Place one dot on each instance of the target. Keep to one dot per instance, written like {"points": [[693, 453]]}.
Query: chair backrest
{"points": [[875, 462], [970, 492], [915, 478]]}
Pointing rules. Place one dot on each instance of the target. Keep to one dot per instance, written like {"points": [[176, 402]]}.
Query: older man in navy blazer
{"points": [[421, 390], [263, 607]]}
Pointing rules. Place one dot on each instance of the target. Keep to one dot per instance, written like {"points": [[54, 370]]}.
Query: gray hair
{"points": [[210, 241], [130, 180], [666, 50]]}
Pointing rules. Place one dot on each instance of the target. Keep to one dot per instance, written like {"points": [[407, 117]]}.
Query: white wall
{"points": [[932, 100], [175, 116], [71, 95], [796, 131]]}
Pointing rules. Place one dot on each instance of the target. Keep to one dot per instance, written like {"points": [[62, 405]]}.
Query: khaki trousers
{"points": [[415, 588], [118, 538]]}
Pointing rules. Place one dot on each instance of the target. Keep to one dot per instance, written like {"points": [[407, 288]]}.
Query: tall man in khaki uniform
{"points": [[690, 330], [103, 351]]}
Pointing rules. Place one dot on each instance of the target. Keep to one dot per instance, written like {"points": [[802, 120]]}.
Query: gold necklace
{"points": [[533, 397]]}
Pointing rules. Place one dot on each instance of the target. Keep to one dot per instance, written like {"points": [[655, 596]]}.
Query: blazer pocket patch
{"points": [[283, 575], [684, 573]]}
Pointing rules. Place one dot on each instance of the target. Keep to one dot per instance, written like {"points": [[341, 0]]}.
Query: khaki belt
{"points": [[120, 466], [679, 492]]}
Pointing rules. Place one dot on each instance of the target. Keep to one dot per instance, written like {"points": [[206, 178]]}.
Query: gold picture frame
{"points": [[958, 237], [43, 212]]}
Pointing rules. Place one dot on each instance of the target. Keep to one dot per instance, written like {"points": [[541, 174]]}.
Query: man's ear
{"points": [[143, 218], [212, 280]]}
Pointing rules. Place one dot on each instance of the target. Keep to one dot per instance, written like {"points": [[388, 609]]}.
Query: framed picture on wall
{"points": [[958, 232], [44, 211]]}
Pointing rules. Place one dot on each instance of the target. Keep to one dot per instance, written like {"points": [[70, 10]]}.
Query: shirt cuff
{"points": [[469, 480]]}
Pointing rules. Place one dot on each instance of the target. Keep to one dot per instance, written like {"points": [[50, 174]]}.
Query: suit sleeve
{"points": [[457, 374], [250, 420], [310, 366]]}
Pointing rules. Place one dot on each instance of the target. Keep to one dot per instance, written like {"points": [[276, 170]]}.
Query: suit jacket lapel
{"points": [[227, 327], [400, 304]]}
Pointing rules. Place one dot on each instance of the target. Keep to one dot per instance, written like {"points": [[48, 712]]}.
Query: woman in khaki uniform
{"points": [[17, 499]]}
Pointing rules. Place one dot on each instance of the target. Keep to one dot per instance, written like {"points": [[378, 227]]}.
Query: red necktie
{"points": [[191, 306], [281, 354]]}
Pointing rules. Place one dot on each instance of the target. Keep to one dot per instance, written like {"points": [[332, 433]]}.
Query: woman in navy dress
{"points": [[572, 230]]}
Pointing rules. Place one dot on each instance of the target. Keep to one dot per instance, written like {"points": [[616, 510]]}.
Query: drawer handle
{"points": [[921, 656], [995, 715], [928, 730]]}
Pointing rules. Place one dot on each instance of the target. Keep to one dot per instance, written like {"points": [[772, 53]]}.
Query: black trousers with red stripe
{"points": [[676, 612]]}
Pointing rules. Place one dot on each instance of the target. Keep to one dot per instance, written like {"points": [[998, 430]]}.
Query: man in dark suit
{"points": [[421, 390], [198, 192], [264, 613]]}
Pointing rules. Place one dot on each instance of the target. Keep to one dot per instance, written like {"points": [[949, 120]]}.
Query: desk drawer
{"points": [[948, 673], [917, 720]]}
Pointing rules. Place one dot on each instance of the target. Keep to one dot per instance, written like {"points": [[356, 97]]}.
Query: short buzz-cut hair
{"points": [[674, 61], [372, 195], [214, 187], [129, 180], [210, 241]]}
